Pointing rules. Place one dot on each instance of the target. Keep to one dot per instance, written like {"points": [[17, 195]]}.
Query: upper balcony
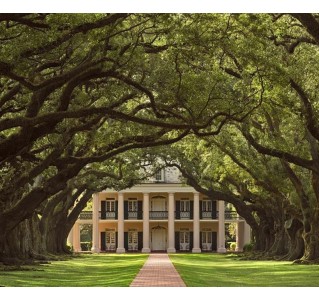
{"points": [[161, 215]]}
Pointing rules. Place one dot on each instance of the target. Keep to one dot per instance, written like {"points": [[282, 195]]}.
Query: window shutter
{"points": [[116, 209], [191, 207], [140, 240], [126, 241], [177, 245], [116, 240], [214, 241], [103, 241], [200, 209], [125, 210], [140, 210], [200, 240], [178, 210], [191, 241], [214, 214], [103, 210]]}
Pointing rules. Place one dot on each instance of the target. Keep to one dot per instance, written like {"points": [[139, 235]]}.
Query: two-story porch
{"points": [[154, 217]]}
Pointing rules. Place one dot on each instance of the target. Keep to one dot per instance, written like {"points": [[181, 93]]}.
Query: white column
{"points": [[171, 223], [239, 236], [196, 225], [247, 233], [70, 238], [76, 237], [95, 226], [146, 223], [120, 224], [221, 227]]}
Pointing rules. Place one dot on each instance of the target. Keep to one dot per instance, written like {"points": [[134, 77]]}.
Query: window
{"points": [[110, 205], [132, 240], [110, 240], [207, 205], [185, 205], [132, 205], [159, 175]]}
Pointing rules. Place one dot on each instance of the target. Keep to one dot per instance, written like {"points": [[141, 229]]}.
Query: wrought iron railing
{"points": [[231, 215], [185, 214], [211, 215], [158, 215], [108, 215], [86, 215], [134, 215]]}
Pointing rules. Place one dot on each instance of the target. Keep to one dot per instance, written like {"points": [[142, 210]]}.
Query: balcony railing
{"points": [[158, 215], [85, 215], [134, 215], [231, 215], [209, 215], [108, 215]]}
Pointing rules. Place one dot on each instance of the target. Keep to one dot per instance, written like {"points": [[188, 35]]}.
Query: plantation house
{"points": [[161, 214]]}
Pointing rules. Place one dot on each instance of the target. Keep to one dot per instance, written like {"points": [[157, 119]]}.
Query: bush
{"points": [[86, 246], [232, 246], [248, 247]]}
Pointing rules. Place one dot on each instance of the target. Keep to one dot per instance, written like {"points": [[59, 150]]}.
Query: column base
{"points": [[77, 249], [221, 250], [239, 249], [146, 250], [120, 250], [171, 250], [95, 250], [196, 250]]}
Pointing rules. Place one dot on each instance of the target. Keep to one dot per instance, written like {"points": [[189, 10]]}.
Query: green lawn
{"points": [[92, 270], [216, 270]]}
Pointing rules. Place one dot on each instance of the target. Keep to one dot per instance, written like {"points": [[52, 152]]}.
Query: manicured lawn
{"points": [[99, 270], [216, 270]]}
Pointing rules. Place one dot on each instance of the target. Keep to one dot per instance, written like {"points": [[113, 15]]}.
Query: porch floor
{"points": [[158, 270]]}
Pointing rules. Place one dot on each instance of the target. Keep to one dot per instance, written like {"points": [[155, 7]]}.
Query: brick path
{"points": [[158, 270]]}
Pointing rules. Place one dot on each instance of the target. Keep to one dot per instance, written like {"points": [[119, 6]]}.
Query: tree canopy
{"points": [[86, 97]]}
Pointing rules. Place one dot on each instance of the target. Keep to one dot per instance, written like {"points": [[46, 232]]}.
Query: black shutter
{"points": [[126, 241], [214, 241], [103, 210], [116, 209], [191, 241], [103, 240], [177, 246], [140, 211], [178, 210], [214, 214], [125, 210], [116, 240], [200, 240], [191, 207], [200, 209], [140, 240]]}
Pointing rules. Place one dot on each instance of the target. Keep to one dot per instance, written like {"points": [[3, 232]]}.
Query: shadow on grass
{"points": [[84, 271], [216, 270]]}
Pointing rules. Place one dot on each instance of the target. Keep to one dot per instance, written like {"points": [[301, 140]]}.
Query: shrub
{"points": [[248, 247], [232, 246]]}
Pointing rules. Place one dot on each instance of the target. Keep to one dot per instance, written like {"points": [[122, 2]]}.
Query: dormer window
{"points": [[159, 175]]}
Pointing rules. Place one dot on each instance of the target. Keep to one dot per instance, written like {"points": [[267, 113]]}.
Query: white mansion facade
{"points": [[159, 215]]}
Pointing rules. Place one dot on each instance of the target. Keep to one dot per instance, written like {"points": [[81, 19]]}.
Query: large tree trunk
{"points": [[22, 243], [294, 229]]}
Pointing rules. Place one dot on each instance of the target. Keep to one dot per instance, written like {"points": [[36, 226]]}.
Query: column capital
{"points": [[196, 193], [171, 193]]}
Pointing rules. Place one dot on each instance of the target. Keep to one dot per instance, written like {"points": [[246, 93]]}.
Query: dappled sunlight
{"points": [[104, 270], [215, 270]]}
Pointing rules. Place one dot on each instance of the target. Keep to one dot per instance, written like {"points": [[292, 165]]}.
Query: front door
{"points": [[206, 240], [184, 240], [158, 239], [110, 241]]}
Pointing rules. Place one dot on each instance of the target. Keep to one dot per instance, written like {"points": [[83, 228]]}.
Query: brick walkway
{"points": [[158, 270]]}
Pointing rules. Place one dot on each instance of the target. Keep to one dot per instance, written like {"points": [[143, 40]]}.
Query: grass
{"points": [[216, 270], [91, 270]]}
